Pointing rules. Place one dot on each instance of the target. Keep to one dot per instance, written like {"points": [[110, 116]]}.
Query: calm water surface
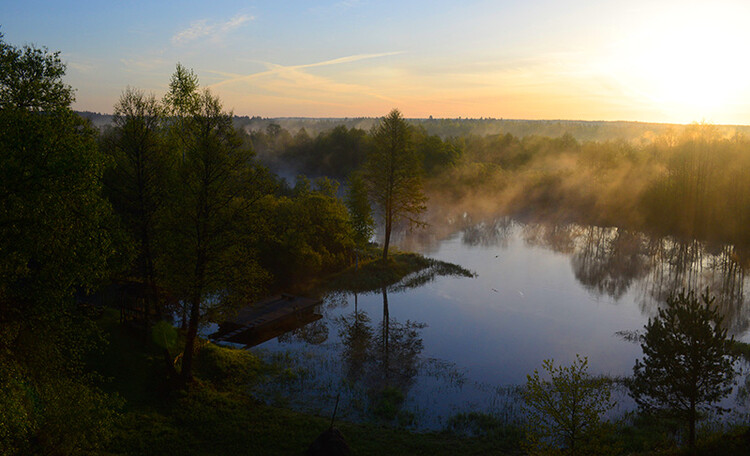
{"points": [[461, 344]]}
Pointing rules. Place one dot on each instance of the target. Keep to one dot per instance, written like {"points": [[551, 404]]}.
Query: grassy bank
{"points": [[402, 270]]}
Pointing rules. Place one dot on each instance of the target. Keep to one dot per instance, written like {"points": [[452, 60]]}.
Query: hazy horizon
{"points": [[643, 61]]}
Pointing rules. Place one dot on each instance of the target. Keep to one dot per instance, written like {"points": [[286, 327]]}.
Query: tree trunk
{"points": [[387, 240], [192, 333], [691, 432]]}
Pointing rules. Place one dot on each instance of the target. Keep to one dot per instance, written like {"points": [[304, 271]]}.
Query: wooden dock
{"points": [[267, 319]]}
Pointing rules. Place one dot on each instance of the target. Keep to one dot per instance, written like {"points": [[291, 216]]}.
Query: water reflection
{"points": [[608, 261], [383, 358]]}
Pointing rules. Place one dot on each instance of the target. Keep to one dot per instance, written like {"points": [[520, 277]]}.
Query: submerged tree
{"points": [[393, 175], [564, 414], [687, 363]]}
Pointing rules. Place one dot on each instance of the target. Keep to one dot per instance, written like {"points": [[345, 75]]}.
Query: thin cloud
{"points": [[277, 69], [211, 30]]}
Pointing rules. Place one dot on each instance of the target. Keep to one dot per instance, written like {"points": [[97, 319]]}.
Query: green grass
{"points": [[375, 274]]}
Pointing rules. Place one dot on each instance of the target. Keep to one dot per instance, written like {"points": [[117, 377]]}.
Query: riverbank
{"points": [[219, 415]]}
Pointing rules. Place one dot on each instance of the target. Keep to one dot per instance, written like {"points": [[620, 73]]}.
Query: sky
{"points": [[652, 61]]}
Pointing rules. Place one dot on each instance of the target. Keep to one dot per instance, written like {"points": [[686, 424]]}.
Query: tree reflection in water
{"points": [[610, 261], [386, 359]]}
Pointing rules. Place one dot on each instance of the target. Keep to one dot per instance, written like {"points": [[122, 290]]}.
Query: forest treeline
{"points": [[691, 184]]}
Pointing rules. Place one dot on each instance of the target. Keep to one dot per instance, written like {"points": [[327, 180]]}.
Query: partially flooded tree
{"points": [[687, 363], [393, 175], [564, 413]]}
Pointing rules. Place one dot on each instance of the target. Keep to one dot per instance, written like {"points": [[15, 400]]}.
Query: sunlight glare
{"points": [[689, 64]]}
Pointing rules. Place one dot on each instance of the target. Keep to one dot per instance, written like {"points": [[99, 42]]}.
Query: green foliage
{"points": [[564, 414], [359, 210], [227, 368], [164, 335], [54, 241], [388, 403], [183, 96], [687, 360], [31, 79], [305, 235], [137, 180]]}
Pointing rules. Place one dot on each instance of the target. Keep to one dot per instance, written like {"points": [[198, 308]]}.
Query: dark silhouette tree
{"points": [[393, 175], [137, 180], [137, 183], [687, 363]]}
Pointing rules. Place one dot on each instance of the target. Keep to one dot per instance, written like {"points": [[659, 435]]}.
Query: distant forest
{"points": [[581, 130]]}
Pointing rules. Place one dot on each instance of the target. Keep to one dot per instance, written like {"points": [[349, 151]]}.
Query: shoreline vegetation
{"points": [[402, 270]]}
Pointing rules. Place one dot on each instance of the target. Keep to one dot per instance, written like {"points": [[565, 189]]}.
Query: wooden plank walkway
{"points": [[267, 319]]}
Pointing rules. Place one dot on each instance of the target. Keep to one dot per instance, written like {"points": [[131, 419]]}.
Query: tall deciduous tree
{"points": [[210, 265], [137, 182], [687, 363], [393, 175]]}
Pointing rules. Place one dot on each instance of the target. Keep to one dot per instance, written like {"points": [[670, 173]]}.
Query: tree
{"points": [[687, 362], [393, 175], [31, 79], [360, 211], [305, 234], [180, 102], [136, 183], [209, 262], [54, 241], [564, 414]]}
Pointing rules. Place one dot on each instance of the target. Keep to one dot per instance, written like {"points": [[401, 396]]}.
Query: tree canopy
{"points": [[564, 413], [54, 242]]}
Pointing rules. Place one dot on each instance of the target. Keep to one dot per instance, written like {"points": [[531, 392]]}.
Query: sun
{"points": [[688, 63]]}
